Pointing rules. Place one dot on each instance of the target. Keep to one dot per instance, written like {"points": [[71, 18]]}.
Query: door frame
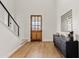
{"points": [[31, 26]]}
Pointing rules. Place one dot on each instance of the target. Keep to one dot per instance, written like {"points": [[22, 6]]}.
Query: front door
{"points": [[36, 28]]}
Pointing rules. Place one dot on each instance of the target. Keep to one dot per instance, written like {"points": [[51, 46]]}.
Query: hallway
{"points": [[37, 50]]}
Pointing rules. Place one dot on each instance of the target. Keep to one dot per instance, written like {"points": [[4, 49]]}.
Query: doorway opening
{"points": [[36, 28]]}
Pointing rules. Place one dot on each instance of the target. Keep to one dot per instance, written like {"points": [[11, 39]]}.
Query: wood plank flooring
{"points": [[37, 50]]}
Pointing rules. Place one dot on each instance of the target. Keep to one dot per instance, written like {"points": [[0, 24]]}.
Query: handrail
{"points": [[9, 15]]}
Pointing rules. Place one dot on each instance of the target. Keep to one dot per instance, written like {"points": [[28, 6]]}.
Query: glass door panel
{"points": [[36, 33]]}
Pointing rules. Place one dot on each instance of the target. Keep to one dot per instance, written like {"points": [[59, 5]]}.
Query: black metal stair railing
{"points": [[7, 19]]}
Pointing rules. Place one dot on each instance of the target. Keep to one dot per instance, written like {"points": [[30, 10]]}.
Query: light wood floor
{"points": [[37, 50]]}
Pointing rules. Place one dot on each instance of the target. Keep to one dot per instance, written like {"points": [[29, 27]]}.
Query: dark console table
{"points": [[68, 48]]}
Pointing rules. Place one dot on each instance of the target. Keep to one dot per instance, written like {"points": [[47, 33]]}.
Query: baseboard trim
{"points": [[10, 54]]}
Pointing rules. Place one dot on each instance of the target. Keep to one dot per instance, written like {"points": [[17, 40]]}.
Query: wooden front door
{"points": [[36, 28]]}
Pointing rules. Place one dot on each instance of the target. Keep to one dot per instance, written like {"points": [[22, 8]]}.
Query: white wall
{"points": [[8, 40], [46, 8], [65, 5], [10, 5]]}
